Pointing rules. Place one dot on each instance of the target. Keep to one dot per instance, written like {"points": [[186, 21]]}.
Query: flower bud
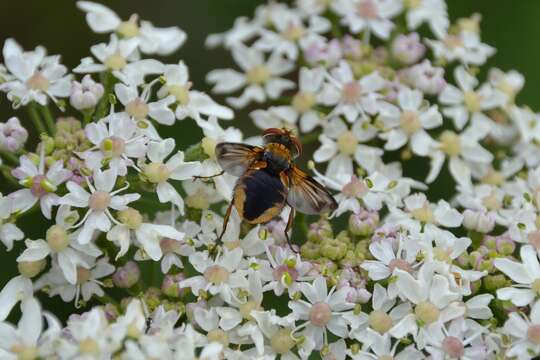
{"points": [[171, 285], [111, 312], [505, 245], [319, 231], [363, 223], [126, 276], [407, 48], [333, 249], [310, 250], [12, 135], [30, 269], [85, 94], [494, 282], [57, 238], [479, 221], [426, 78]]}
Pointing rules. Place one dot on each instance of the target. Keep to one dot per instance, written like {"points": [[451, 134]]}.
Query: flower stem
{"points": [[107, 81], [36, 119], [9, 156], [6, 171], [49, 119]]}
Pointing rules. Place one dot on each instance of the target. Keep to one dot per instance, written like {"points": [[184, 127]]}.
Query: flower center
{"points": [[137, 109], [115, 61], [131, 218], [473, 101], [25, 352], [347, 143], [492, 202], [128, 29], [453, 41], [303, 101], [180, 92], [441, 254], [367, 9], [286, 274], [410, 122], [533, 334], [113, 146], [247, 308], [412, 4], [83, 275], [380, 321], [493, 177], [157, 172], [57, 238], [282, 341], [99, 201], [38, 82], [293, 32], [39, 185], [351, 92], [258, 75], [89, 346], [453, 347], [450, 143], [534, 239], [535, 286], [355, 188], [219, 336], [426, 312], [30, 269], [209, 147], [169, 246], [216, 274], [399, 264], [320, 314], [423, 214]]}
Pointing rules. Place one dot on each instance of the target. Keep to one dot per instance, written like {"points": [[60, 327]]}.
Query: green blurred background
{"points": [[511, 26]]}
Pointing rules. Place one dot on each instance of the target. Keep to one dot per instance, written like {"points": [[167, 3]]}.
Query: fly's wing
{"points": [[307, 195], [235, 158]]}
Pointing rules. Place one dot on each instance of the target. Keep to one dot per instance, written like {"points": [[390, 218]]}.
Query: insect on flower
{"points": [[269, 180]]}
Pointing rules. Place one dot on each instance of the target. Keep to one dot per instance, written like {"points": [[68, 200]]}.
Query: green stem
{"points": [[107, 81], [36, 119], [9, 156], [49, 119], [87, 116], [6, 171], [303, 223]]}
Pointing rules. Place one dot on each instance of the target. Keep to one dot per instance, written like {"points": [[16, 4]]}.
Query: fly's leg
{"points": [[204, 178], [288, 227], [218, 243]]}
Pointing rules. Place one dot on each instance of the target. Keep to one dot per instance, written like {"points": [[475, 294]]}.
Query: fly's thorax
{"points": [[277, 157]]}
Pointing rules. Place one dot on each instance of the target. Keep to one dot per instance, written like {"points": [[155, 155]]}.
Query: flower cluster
{"points": [[433, 250]]}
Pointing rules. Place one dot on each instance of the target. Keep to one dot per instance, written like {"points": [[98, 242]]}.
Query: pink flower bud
{"points": [[12, 135], [479, 221], [171, 285], [85, 94], [427, 78], [407, 48], [126, 276]]}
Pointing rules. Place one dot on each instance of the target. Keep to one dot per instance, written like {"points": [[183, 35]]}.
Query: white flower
{"points": [[277, 332], [85, 94], [87, 284], [322, 311], [152, 40], [220, 276], [139, 107], [99, 201], [380, 346], [525, 333], [463, 151], [368, 15], [526, 274], [409, 122], [36, 76], [302, 105], [435, 303], [148, 235], [9, 232], [432, 12], [158, 171], [40, 185], [191, 103], [17, 289], [340, 145], [349, 96], [290, 32], [262, 78], [115, 140], [466, 100], [465, 47]]}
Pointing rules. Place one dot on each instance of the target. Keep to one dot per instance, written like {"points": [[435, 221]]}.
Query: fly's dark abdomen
{"points": [[259, 196]]}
